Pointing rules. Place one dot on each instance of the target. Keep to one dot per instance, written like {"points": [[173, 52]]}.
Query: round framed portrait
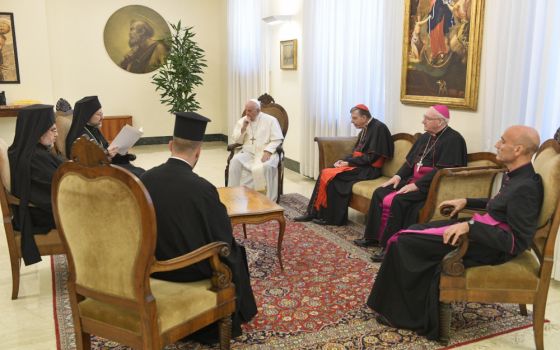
{"points": [[134, 38]]}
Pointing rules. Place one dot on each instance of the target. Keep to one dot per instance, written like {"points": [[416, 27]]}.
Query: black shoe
{"points": [[320, 221], [383, 320], [379, 256], [304, 218], [363, 242]]}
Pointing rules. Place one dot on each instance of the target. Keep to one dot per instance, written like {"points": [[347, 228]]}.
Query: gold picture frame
{"points": [[288, 54], [441, 52]]}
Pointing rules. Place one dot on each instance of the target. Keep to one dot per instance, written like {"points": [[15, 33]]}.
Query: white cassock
{"points": [[246, 167]]}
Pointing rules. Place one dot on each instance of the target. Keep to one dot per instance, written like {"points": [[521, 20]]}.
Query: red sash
{"points": [[328, 174]]}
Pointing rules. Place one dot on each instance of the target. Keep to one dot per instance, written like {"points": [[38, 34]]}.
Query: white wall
{"points": [[65, 38], [30, 25], [286, 85]]}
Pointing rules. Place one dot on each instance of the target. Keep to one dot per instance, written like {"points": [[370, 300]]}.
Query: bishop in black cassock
{"points": [[331, 195], [190, 215], [86, 121], [32, 165], [406, 290], [397, 203]]}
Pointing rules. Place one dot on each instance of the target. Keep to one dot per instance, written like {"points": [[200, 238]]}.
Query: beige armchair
{"points": [[268, 106], [522, 280], [108, 227], [63, 123], [48, 244]]}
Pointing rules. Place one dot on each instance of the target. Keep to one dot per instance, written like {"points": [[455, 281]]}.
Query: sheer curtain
{"points": [[521, 68], [344, 41], [247, 76]]}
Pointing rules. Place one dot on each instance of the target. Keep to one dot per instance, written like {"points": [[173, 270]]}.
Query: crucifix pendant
{"points": [[419, 165], [252, 140]]}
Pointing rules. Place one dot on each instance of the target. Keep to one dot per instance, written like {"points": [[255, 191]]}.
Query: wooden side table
{"points": [[112, 124], [247, 206]]}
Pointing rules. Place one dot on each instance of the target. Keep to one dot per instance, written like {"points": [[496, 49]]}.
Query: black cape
{"points": [[83, 111], [406, 289], [190, 215], [450, 150], [374, 141], [32, 166]]}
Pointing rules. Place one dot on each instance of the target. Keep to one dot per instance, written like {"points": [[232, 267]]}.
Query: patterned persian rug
{"points": [[318, 302]]}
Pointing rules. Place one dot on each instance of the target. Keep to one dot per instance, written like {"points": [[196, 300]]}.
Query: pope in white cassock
{"points": [[256, 165]]}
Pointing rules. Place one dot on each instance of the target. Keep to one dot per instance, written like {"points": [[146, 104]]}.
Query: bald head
{"points": [[525, 136], [517, 146]]}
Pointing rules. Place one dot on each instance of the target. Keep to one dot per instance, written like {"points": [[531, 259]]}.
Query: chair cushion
{"points": [[366, 188], [521, 273], [176, 303], [390, 168]]}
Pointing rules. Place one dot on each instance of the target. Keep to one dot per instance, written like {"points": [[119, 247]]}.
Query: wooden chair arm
{"points": [[462, 173], [221, 273], [13, 200], [332, 149], [452, 263], [231, 147]]}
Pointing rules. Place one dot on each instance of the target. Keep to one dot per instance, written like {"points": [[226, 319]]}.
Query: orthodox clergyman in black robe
{"points": [[190, 215], [331, 196], [406, 290], [86, 121], [396, 204], [32, 165]]}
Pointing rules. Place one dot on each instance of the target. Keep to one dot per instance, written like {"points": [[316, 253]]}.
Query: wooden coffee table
{"points": [[247, 206]]}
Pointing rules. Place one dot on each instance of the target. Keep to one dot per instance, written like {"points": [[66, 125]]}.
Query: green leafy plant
{"points": [[177, 78]]}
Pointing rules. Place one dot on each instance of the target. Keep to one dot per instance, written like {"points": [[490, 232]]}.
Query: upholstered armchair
{"points": [[63, 123], [48, 244], [268, 106], [108, 227], [522, 280]]}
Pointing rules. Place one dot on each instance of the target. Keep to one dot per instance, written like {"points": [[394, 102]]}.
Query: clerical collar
{"points": [[524, 169], [183, 160], [439, 132]]}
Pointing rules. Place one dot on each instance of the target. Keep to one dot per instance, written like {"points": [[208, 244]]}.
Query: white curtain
{"points": [[520, 67], [345, 43], [247, 76]]}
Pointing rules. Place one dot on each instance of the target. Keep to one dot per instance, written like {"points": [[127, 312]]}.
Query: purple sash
{"points": [[388, 199], [438, 231]]}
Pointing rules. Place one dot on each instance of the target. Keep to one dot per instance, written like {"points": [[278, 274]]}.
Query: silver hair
{"points": [[257, 102]]}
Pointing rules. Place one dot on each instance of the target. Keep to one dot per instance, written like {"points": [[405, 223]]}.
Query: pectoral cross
{"points": [[252, 140], [418, 166]]}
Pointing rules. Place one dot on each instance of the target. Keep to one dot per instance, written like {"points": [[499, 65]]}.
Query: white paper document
{"points": [[126, 138]]}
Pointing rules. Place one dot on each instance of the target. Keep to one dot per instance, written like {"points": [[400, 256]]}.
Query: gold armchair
{"points": [[522, 280], [268, 106], [48, 244], [108, 227]]}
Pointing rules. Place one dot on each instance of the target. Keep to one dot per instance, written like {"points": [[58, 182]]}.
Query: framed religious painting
{"points": [[9, 68], [288, 54], [134, 37], [441, 52]]}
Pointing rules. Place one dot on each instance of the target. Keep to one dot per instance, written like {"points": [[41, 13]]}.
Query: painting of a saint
{"points": [[442, 52], [9, 70], [135, 39]]}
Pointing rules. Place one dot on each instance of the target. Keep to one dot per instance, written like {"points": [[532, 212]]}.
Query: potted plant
{"points": [[177, 78]]}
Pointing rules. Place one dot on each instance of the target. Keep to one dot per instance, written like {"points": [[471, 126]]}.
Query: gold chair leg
{"points": [[444, 322], [16, 266], [225, 332], [538, 323], [523, 309]]}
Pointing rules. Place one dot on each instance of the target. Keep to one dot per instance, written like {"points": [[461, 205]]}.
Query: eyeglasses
{"points": [[430, 118]]}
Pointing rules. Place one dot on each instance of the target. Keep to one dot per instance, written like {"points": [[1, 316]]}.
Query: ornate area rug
{"points": [[318, 302]]}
